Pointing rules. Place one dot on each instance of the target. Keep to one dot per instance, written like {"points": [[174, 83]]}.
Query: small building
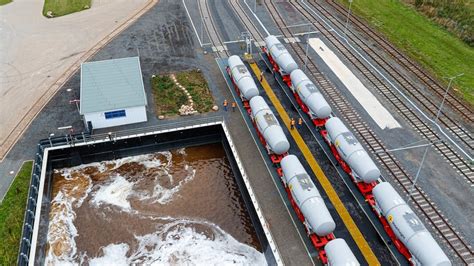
{"points": [[112, 93]]}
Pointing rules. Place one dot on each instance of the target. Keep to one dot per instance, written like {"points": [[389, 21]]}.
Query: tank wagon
{"points": [[407, 227], [268, 126], [279, 57], [356, 162], [301, 191], [339, 253], [351, 151], [313, 213], [309, 97], [310, 204], [241, 78]]}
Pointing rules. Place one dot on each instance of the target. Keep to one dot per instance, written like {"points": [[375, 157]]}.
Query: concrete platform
{"points": [[275, 209]]}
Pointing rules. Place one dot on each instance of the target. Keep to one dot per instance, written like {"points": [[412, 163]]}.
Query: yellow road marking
{"points": [[323, 180]]}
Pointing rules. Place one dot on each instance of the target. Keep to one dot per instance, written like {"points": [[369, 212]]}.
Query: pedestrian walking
{"points": [[261, 76], [225, 105], [300, 122], [292, 123], [234, 104]]}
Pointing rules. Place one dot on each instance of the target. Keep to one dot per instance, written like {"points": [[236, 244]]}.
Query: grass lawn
{"points": [[4, 2], [197, 87], [435, 48], [12, 211], [64, 7], [168, 97]]}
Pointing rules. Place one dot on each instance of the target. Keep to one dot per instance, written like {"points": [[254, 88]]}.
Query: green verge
{"points": [[196, 85], [64, 7], [4, 2], [12, 211], [436, 49], [168, 97]]}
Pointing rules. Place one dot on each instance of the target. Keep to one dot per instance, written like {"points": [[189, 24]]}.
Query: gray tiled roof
{"points": [[111, 84]]}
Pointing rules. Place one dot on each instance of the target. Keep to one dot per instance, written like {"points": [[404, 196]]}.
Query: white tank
{"points": [[407, 227], [351, 151], [281, 56], [242, 77], [339, 253], [269, 126], [307, 196], [310, 95]]}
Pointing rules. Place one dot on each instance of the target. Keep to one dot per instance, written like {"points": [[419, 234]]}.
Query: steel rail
{"points": [[420, 200], [460, 163]]}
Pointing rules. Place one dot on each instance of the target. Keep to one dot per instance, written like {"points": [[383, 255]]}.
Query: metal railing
{"points": [[29, 218], [86, 139]]}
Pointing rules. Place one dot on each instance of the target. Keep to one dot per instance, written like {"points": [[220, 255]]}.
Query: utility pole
{"points": [[446, 94], [428, 147], [347, 19], [307, 47], [247, 38], [202, 30]]}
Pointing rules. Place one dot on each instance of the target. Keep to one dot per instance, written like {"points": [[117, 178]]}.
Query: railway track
{"points": [[422, 204], [457, 105], [461, 133], [415, 92], [458, 162], [246, 21], [218, 46]]}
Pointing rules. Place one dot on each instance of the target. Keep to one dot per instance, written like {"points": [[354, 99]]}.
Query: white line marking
{"points": [[192, 24], [256, 17]]}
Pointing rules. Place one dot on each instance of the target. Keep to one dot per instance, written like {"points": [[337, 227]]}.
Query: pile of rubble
{"points": [[185, 109]]}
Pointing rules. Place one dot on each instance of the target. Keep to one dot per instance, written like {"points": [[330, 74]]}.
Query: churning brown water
{"points": [[174, 207]]}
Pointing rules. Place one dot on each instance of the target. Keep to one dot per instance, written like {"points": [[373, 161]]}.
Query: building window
{"points": [[115, 114]]}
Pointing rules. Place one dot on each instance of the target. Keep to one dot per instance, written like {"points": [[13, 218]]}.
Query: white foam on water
{"points": [[114, 254], [120, 191], [178, 243], [115, 193], [147, 160], [65, 233], [181, 151], [160, 194], [61, 227], [164, 195]]}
